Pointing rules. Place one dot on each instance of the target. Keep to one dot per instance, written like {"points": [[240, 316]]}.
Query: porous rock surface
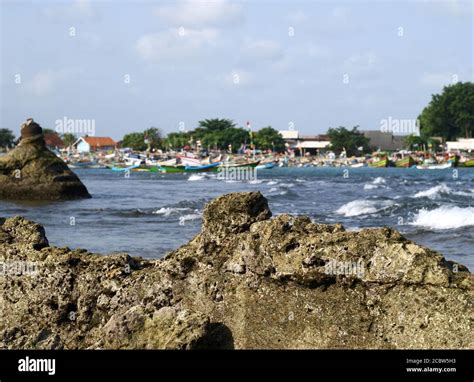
{"points": [[246, 281]]}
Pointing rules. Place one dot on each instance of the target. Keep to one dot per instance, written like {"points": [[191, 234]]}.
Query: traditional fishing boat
{"points": [[379, 163], [246, 164], [468, 163], [406, 162], [265, 166], [441, 166], [169, 169]]}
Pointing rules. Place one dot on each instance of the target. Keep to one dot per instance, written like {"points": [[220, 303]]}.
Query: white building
{"points": [[464, 144]]}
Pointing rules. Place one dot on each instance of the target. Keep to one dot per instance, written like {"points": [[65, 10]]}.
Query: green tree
{"points": [[350, 140], [68, 139], [135, 141], [219, 133], [450, 114], [7, 138], [153, 135], [177, 141], [269, 138], [415, 142]]}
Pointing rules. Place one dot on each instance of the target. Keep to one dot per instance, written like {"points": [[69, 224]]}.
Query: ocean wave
{"points": [[376, 183], [167, 211], [195, 177], [434, 192], [370, 186], [378, 180], [272, 183], [189, 217], [363, 207], [444, 217]]}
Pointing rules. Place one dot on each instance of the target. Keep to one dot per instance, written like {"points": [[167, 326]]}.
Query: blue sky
{"points": [[308, 64]]}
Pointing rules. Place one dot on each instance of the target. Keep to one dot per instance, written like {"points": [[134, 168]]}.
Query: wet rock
{"points": [[246, 281], [32, 172]]}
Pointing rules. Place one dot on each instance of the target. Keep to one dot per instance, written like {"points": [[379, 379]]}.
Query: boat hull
{"points": [[405, 162], [469, 163], [379, 164]]}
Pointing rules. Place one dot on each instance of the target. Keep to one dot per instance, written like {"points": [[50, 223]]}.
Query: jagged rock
{"points": [[32, 172], [246, 281]]}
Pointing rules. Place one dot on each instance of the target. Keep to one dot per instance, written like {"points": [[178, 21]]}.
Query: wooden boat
{"points": [[379, 163], [441, 166], [265, 166], [406, 162], [247, 164], [469, 163], [181, 168]]}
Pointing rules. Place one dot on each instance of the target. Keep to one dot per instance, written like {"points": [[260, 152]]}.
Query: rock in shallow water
{"points": [[246, 281], [32, 172]]}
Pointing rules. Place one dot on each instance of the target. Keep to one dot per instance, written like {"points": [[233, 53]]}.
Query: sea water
{"points": [[149, 214]]}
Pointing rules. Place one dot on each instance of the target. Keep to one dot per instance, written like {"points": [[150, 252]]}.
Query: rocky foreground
{"points": [[246, 281]]}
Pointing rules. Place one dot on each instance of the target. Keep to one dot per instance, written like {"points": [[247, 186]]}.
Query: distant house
{"points": [[92, 144], [53, 141], [385, 141], [462, 144], [311, 144]]}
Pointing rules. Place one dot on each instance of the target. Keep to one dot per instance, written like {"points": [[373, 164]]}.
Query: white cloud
{"points": [[235, 78], [174, 43], [297, 17], [41, 84], [453, 7], [360, 62], [76, 11], [438, 80], [194, 13], [317, 51], [262, 50]]}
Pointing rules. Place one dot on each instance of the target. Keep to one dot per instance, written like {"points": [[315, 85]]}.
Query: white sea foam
{"points": [[444, 217], [167, 211], [363, 207], [190, 217], [370, 186], [195, 177], [376, 183], [272, 183], [434, 192]]}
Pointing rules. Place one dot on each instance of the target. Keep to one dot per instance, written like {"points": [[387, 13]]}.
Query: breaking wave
{"points": [[364, 207], [444, 217]]}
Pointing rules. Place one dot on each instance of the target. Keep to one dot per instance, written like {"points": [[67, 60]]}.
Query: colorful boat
{"points": [[248, 164], [379, 163], [441, 166], [265, 166], [406, 162], [469, 163], [180, 168]]}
